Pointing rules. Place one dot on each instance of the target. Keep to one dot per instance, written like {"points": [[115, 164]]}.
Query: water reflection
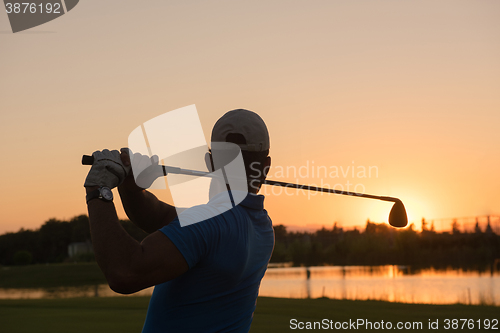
{"points": [[101, 290], [389, 283]]}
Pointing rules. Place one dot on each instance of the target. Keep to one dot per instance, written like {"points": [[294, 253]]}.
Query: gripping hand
{"points": [[107, 169]]}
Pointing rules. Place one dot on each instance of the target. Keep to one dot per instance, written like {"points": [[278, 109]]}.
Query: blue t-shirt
{"points": [[227, 257]]}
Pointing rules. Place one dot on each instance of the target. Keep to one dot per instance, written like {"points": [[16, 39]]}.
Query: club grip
{"points": [[87, 160]]}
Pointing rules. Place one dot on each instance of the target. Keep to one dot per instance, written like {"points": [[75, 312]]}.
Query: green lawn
{"points": [[274, 314], [126, 314], [51, 275]]}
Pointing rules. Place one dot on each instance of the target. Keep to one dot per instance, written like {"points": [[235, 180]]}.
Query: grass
{"points": [[51, 276], [114, 314], [127, 314], [274, 314]]}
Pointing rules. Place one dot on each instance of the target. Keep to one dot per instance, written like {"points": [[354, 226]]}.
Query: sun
{"points": [[416, 210]]}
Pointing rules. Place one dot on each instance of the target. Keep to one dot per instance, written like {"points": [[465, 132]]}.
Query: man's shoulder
{"points": [[221, 208]]}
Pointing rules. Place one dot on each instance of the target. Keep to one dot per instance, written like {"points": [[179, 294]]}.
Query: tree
{"points": [[80, 228], [280, 231], [455, 227], [424, 224], [55, 236], [477, 229], [489, 230], [22, 258]]}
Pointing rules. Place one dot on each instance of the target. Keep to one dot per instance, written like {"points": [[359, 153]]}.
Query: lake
{"points": [[387, 283]]}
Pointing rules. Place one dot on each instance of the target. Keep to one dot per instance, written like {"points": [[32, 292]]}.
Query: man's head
{"points": [[247, 130]]}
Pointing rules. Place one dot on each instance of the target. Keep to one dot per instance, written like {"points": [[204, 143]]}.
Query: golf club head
{"points": [[397, 216]]}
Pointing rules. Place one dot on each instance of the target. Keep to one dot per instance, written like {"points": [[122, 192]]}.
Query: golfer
{"points": [[207, 274]]}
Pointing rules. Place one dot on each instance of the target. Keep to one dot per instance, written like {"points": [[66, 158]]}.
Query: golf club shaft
{"points": [[327, 190], [89, 160]]}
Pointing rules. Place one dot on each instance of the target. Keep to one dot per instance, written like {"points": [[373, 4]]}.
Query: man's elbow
{"points": [[122, 284]]}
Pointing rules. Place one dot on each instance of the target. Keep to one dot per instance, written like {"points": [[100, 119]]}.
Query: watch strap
{"points": [[95, 194], [102, 193]]}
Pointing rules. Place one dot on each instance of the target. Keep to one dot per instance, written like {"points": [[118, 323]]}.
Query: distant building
{"points": [[79, 248]]}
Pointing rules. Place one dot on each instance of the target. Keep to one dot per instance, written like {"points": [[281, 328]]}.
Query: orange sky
{"points": [[411, 88]]}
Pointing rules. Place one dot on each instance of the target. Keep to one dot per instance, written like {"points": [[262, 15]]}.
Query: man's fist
{"points": [[107, 169], [145, 169]]}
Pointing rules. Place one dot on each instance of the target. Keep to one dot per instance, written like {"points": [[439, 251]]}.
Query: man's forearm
{"points": [[145, 210], [114, 248], [128, 265]]}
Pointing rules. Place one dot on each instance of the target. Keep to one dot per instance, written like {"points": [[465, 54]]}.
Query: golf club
{"points": [[397, 216]]}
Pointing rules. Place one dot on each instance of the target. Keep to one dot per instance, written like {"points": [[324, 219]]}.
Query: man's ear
{"points": [[267, 165], [209, 162]]}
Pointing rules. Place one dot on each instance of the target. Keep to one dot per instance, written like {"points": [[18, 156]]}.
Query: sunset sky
{"points": [[409, 88]]}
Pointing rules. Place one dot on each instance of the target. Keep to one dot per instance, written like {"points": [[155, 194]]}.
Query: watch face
{"points": [[106, 194]]}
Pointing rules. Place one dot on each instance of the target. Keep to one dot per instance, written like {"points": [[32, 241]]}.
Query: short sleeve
{"points": [[191, 240]]}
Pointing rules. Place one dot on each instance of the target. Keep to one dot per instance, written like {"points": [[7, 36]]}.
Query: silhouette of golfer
{"points": [[206, 275]]}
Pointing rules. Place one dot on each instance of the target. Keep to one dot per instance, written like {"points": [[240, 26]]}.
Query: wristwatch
{"points": [[103, 193]]}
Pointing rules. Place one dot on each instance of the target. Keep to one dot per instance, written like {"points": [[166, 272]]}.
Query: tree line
{"points": [[380, 244], [377, 244], [49, 243]]}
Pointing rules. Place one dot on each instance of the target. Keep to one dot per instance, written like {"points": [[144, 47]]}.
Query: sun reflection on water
{"points": [[388, 283]]}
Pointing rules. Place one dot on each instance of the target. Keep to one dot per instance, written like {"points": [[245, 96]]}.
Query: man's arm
{"points": [[142, 207], [145, 210], [127, 265]]}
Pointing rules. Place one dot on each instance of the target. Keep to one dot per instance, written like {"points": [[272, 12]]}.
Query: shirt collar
{"points": [[253, 201]]}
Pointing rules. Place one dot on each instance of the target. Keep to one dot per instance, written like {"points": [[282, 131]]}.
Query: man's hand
{"points": [[142, 207], [145, 170], [107, 170]]}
